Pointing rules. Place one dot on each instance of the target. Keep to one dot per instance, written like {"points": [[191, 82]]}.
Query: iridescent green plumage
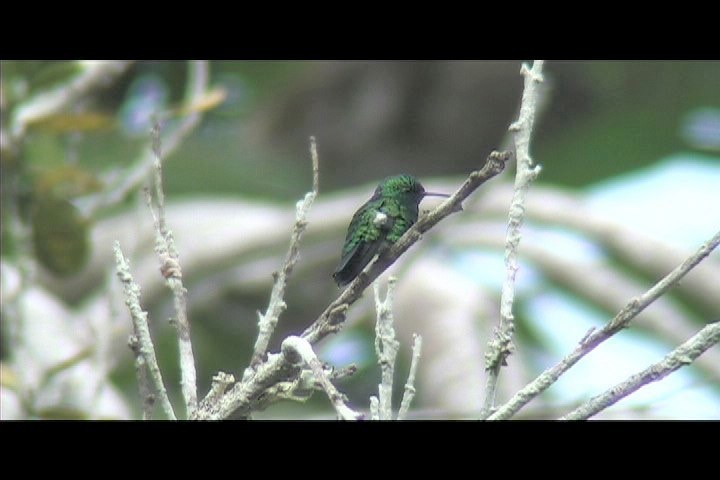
{"points": [[380, 222]]}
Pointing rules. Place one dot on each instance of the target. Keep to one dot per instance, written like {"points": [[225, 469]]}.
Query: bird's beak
{"points": [[457, 208], [433, 194]]}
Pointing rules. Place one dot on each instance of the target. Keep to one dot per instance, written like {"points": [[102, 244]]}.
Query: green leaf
{"points": [[60, 235]]}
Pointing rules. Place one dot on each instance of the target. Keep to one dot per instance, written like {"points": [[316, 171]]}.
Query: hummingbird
{"points": [[379, 223]]}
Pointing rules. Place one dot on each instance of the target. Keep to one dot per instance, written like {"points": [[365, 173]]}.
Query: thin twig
{"points": [[268, 321], [410, 384], [332, 318], [221, 382], [164, 243], [386, 347], [621, 320], [141, 372], [172, 272], [501, 346], [343, 372], [682, 356], [374, 408], [295, 346], [137, 174], [140, 327]]}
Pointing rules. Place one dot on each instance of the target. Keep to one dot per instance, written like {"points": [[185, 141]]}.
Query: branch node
{"points": [[297, 350]]}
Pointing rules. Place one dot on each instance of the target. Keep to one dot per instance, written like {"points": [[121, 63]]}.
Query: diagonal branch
{"points": [[682, 356], [141, 330], [595, 338], [268, 321]]}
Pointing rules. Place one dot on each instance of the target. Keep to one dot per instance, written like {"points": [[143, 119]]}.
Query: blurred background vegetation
{"points": [[435, 119]]}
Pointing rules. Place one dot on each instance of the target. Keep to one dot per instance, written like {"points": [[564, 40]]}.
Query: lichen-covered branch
{"points": [[409, 393], [268, 321], [221, 382], [164, 242], [172, 272], [374, 408], [682, 356], [141, 372], [245, 396], [596, 337], [386, 348], [294, 349], [501, 346], [268, 382], [259, 378], [332, 318], [141, 329]]}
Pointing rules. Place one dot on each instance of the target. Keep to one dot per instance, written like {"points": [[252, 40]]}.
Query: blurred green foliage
{"points": [[631, 116], [603, 118]]}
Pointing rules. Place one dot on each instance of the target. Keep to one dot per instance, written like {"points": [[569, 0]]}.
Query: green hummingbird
{"points": [[380, 222]]}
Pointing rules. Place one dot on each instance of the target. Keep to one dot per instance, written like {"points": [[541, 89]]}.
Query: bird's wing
{"points": [[361, 244]]}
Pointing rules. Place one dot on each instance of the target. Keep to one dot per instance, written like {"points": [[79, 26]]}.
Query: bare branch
{"points": [[296, 346], [268, 321], [621, 320], [221, 382], [374, 408], [682, 356], [172, 272], [500, 347], [386, 347], [244, 396], [343, 372], [410, 384], [332, 318], [142, 332], [281, 376], [141, 371]]}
